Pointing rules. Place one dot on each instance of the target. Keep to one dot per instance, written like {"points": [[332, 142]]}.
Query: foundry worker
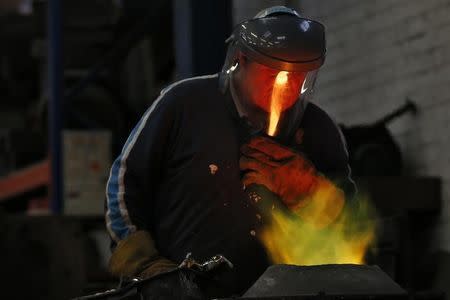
{"points": [[183, 179]]}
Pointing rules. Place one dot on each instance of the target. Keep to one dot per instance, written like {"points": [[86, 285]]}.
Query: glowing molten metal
{"points": [[276, 101]]}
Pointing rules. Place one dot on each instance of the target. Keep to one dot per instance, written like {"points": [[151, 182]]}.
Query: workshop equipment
{"points": [[372, 148]]}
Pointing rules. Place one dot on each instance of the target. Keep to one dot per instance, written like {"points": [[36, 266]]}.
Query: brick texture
{"points": [[379, 53]]}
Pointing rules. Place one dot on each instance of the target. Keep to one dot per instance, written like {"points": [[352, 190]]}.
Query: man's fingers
{"points": [[251, 178], [255, 154], [270, 148], [249, 163], [255, 178]]}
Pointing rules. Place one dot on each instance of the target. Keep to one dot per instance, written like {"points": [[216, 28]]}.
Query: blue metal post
{"points": [[55, 91], [200, 30], [182, 31]]}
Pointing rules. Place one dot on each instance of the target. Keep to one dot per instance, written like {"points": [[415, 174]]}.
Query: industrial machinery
{"points": [[277, 282]]}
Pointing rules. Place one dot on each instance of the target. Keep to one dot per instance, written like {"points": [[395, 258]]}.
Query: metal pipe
{"points": [[409, 106]]}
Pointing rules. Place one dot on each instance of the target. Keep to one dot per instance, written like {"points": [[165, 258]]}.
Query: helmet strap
{"points": [[234, 94]]}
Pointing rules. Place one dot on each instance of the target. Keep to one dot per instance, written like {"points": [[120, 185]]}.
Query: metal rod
{"points": [[182, 32], [409, 106], [55, 88]]}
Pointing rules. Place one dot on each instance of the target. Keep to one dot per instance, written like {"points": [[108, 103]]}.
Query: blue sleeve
{"points": [[135, 173]]}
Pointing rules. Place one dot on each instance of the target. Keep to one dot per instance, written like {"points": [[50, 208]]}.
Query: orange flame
{"points": [[276, 102], [290, 240]]}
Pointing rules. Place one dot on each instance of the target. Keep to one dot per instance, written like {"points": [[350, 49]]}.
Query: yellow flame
{"points": [[290, 240], [275, 102]]}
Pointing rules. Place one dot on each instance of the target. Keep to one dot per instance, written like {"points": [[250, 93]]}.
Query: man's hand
{"points": [[136, 256], [293, 178], [284, 172]]}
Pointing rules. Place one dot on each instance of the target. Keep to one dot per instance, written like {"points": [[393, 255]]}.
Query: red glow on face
{"points": [[259, 83]]}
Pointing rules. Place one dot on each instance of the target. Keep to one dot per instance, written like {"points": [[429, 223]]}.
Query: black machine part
{"points": [[277, 282], [325, 281], [372, 149]]}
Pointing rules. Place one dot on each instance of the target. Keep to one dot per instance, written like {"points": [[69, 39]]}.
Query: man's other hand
{"points": [[136, 256]]}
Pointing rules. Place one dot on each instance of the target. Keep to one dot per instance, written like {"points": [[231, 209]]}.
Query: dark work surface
{"points": [[332, 280]]}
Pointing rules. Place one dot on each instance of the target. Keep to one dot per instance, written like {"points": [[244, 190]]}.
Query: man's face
{"points": [[261, 86]]}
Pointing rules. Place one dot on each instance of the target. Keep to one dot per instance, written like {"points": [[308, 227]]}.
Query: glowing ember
{"points": [[276, 101], [213, 169], [290, 240]]}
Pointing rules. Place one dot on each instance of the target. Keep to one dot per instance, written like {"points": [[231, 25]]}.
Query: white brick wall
{"points": [[379, 53], [246, 9]]}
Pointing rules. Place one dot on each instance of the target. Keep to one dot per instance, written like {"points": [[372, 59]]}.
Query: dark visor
{"points": [[283, 42]]}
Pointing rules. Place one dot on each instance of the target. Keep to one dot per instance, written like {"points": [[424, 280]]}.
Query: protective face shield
{"points": [[277, 55], [273, 101]]}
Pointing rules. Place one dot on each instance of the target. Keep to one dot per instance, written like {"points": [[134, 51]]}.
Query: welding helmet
{"points": [[271, 64]]}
